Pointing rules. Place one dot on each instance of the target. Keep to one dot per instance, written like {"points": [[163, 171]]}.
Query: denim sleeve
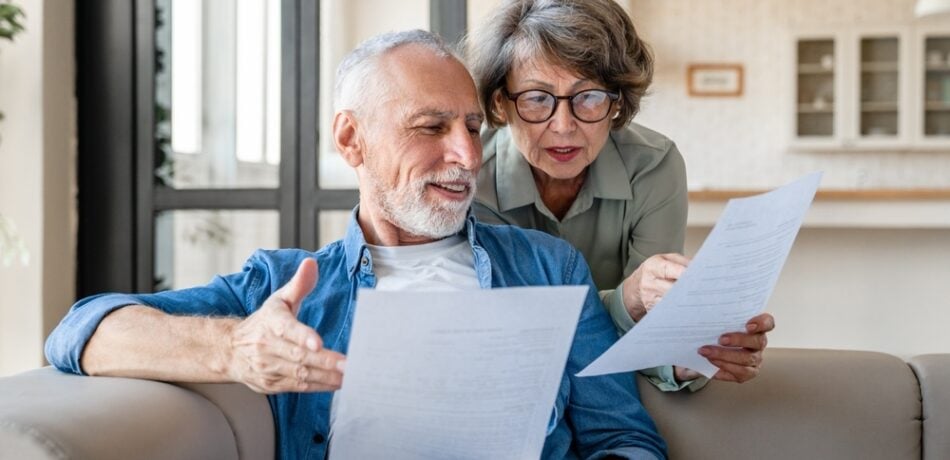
{"points": [[604, 411], [238, 294]]}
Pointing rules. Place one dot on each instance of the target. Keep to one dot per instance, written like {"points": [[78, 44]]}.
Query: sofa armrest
{"points": [[804, 404], [48, 414], [933, 372]]}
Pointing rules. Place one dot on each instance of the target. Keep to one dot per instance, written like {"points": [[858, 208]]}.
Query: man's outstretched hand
{"points": [[273, 352]]}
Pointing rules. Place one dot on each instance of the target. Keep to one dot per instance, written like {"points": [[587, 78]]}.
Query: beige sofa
{"points": [[814, 404]]}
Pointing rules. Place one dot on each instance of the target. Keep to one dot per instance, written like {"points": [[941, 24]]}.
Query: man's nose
{"points": [[465, 149]]}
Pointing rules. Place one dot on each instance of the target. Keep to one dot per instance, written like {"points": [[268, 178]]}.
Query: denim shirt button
{"points": [[318, 438], [364, 262]]}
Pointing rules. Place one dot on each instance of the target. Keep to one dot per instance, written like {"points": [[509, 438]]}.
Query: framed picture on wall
{"points": [[714, 80]]}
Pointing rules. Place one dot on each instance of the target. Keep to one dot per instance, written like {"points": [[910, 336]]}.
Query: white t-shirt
{"points": [[444, 265]]}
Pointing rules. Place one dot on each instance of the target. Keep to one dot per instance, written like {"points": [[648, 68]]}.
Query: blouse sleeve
{"points": [[661, 198]]}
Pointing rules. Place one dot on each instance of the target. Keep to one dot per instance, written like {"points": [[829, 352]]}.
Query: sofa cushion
{"points": [[804, 404], [50, 415]]}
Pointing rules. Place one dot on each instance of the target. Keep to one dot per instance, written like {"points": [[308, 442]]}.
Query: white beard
{"points": [[406, 207]]}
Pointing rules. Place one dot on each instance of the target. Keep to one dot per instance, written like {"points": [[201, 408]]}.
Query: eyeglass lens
{"points": [[589, 106]]}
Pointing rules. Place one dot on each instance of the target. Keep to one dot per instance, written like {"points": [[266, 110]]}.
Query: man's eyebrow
{"points": [[426, 113], [446, 115]]}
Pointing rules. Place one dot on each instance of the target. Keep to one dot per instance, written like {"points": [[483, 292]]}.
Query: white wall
{"points": [[37, 164], [718, 135], [851, 286], [862, 289]]}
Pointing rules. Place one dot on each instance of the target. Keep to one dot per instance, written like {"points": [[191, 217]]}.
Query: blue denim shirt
{"points": [[593, 417]]}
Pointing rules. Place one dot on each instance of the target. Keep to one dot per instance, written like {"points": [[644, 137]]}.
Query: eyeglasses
{"points": [[538, 106]]}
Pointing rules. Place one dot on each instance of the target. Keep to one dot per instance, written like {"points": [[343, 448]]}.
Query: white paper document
{"points": [[462, 374], [728, 282]]}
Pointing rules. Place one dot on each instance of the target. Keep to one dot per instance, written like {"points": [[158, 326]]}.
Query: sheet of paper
{"points": [[463, 374], [728, 282]]}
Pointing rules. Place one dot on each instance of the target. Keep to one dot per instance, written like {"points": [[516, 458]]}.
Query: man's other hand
{"points": [[739, 354], [273, 352]]}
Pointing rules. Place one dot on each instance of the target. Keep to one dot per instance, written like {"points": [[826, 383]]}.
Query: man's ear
{"points": [[498, 107], [346, 136]]}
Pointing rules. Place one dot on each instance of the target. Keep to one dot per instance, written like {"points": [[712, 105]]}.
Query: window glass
{"points": [[217, 88], [343, 25], [333, 226], [193, 246]]}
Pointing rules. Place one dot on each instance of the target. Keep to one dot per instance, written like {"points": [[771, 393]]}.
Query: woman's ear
{"points": [[498, 107], [346, 136]]}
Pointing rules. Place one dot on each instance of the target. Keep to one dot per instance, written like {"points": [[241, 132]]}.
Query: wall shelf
{"points": [[920, 208]]}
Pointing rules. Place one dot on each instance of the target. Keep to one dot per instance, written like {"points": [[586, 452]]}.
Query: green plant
{"points": [[11, 246], [10, 23]]}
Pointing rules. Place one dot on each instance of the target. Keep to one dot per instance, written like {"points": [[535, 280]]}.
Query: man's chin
{"points": [[438, 224]]}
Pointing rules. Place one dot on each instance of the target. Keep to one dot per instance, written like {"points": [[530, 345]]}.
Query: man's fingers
{"points": [[297, 333], [325, 359], [273, 374], [300, 285]]}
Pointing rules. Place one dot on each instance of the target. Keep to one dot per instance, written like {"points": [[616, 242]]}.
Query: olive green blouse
{"points": [[633, 205]]}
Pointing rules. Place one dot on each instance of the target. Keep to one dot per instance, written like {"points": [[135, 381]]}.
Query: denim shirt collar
{"points": [[359, 257], [354, 244], [607, 176]]}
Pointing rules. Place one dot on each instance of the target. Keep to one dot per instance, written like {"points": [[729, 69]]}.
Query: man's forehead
{"points": [[423, 83]]}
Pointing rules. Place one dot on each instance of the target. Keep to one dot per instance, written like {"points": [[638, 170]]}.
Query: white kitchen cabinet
{"points": [[872, 89]]}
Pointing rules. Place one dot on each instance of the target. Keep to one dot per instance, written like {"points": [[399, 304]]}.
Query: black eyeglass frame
{"points": [[513, 97]]}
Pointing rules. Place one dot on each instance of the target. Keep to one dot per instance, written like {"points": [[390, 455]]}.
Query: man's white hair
{"points": [[354, 77]]}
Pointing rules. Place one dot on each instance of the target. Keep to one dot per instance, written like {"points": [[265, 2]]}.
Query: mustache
{"points": [[452, 175]]}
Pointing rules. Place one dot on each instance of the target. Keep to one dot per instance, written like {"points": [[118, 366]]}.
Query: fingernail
{"points": [[312, 344], [341, 365], [724, 341], [751, 327], [705, 351]]}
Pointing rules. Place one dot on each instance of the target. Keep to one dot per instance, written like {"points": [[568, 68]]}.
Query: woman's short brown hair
{"points": [[593, 38]]}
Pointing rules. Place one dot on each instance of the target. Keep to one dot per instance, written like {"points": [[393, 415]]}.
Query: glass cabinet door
{"points": [[936, 107], [815, 111], [879, 112]]}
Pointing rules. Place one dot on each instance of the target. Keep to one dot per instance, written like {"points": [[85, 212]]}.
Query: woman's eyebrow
{"points": [[546, 85]]}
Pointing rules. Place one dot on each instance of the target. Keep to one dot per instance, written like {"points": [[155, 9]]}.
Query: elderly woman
{"points": [[560, 82]]}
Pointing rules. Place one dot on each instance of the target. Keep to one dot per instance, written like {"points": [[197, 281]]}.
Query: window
{"points": [[223, 104]]}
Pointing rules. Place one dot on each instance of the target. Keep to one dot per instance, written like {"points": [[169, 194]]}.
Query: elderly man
{"points": [[408, 121]]}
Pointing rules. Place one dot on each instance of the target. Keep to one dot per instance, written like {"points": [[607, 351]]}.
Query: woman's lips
{"points": [[563, 154]]}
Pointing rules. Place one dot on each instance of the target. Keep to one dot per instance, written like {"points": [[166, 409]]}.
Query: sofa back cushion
{"points": [[804, 404]]}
